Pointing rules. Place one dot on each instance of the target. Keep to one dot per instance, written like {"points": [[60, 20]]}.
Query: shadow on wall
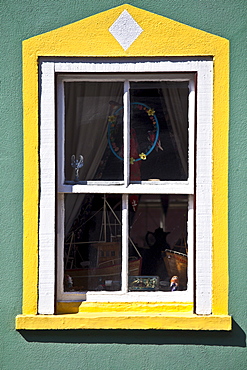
{"points": [[234, 338]]}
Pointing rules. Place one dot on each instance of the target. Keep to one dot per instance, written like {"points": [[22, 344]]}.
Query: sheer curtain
{"points": [[87, 107], [176, 100]]}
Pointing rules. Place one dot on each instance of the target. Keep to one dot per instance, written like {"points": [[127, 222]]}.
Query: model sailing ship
{"points": [[103, 269]]}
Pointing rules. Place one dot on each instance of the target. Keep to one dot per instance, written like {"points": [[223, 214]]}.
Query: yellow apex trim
{"points": [[91, 37]]}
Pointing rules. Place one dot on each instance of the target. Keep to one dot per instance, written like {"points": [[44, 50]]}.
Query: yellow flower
{"points": [[143, 156], [132, 160], [150, 112], [111, 118]]}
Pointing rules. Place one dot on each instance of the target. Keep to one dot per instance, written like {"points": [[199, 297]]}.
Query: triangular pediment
{"points": [[124, 31]]}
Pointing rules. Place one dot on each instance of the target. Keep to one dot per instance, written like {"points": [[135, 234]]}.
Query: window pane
{"points": [[89, 117], [159, 131], [92, 250], [158, 232]]}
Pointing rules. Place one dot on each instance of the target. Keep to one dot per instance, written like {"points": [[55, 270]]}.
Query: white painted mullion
{"points": [[190, 246], [60, 243], [125, 231], [191, 133], [126, 131], [191, 170], [60, 131], [204, 191], [47, 191], [125, 252]]}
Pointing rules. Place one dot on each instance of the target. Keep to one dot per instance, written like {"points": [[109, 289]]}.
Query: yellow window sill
{"points": [[63, 307], [124, 320]]}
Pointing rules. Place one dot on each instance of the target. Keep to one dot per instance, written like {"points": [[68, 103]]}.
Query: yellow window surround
{"points": [[161, 37]]}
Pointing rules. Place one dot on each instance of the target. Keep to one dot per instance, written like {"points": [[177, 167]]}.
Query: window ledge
{"points": [[124, 320]]}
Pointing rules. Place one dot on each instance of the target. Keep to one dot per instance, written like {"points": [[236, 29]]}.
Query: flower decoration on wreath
{"points": [[112, 123]]}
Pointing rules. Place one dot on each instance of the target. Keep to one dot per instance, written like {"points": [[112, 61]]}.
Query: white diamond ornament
{"points": [[125, 30]]}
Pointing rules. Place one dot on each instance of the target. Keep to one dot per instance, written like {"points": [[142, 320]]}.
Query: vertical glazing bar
{"points": [[191, 169], [61, 178], [190, 244], [126, 130], [61, 131], [125, 233], [60, 241], [191, 133]]}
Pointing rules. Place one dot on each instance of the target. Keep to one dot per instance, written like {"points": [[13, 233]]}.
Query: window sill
{"points": [[124, 320]]}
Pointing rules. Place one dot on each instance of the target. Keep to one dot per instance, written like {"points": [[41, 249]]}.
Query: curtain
{"points": [[176, 100], [87, 107]]}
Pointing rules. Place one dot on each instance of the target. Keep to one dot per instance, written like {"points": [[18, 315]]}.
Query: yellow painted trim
{"points": [[31, 182], [82, 307], [220, 274], [161, 37], [123, 320], [63, 307]]}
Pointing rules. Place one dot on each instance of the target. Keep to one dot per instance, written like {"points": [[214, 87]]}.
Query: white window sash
{"points": [[47, 191]]}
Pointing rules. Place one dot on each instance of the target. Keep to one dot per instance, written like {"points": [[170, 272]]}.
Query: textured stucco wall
{"points": [[118, 349]]}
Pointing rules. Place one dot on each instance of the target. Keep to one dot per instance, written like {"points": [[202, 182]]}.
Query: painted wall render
{"points": [[117, 349]]}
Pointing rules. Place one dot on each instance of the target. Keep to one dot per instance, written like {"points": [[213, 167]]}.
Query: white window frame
{"points": [[203, 68]]}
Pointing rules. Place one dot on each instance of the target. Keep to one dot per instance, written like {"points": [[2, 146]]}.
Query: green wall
{"points": [[118, 349]]}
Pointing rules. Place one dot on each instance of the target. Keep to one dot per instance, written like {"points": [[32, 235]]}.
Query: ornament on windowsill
{"points": [[76, 164], [68, 282], [174, 284]]}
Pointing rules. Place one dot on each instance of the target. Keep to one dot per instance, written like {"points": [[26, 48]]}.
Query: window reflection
{"points": [[158, 130], [158, 228], [157, 242]]}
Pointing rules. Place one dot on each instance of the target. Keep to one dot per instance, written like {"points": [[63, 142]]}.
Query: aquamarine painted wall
{"points": [[118, 349]]}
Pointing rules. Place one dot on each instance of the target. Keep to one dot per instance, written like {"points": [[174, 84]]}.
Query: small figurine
{"points": [[68, 282], [76, 164], [101, 285], [174, 284]]}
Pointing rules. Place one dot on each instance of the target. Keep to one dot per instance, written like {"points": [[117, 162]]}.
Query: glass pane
{"points": [[90, 126], [159, 131], [92, 247], [158, 233]]}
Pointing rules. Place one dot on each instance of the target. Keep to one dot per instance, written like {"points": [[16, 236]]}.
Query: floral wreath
{"points": [[112, 122]]}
